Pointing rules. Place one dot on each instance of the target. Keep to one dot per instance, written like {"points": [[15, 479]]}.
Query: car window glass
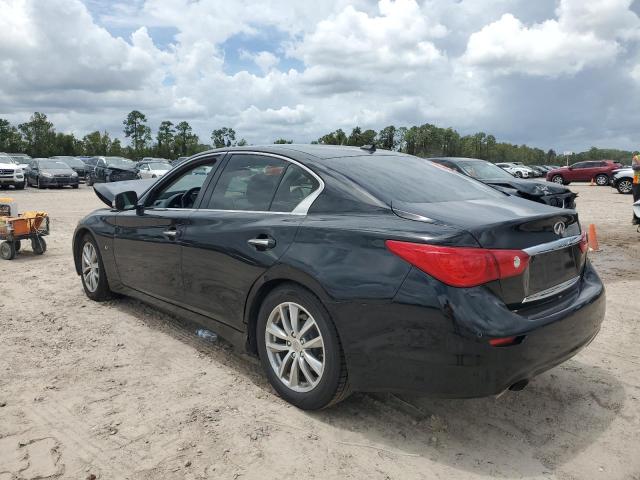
{"points": [[296, 185], [579, 165], [248, 182], [183, 191]]}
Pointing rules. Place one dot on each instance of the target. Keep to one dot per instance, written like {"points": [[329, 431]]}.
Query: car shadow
{"points": [[556, 417]]}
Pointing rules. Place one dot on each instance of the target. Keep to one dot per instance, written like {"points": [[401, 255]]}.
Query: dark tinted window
{"points": [[410, 179], [580, 165], [248, 182], [296, 185]]}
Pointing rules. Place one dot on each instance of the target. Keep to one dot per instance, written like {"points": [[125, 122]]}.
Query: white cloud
{"points": [[264, 60], [586, 33]]}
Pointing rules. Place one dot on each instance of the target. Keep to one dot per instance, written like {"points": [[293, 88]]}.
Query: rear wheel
{"points": [[7, 250], [94, 278], [300, 350], [557, 179], [625, 185], [89, 180], [602, 180], [38, 245]]}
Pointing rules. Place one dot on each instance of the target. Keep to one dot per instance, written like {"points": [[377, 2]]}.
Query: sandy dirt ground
{"points": [[121, 390]]}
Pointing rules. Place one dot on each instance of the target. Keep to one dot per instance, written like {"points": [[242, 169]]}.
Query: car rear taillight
{"points": [[461, 266]]}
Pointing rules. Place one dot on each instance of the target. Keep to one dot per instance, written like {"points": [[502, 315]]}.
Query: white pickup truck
{"points": [[11, 173]]}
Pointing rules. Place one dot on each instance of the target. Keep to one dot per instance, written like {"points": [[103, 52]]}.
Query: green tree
{"points": [[186, 142], [242, 142], [223, 137], [282, 141], [38, 134], [165, 139], [66, 144], [387, 138], [135, 127], [10, 138], [115, 149], [96, 143], [334, 138]]}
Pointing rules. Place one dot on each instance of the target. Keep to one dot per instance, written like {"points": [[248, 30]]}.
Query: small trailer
{"points": [[33, 226]]}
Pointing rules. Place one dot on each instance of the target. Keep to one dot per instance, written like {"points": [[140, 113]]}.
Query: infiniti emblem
{"points": [[559, 228]]}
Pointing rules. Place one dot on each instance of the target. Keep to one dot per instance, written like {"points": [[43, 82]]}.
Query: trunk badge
{"points": [[559, 228]]}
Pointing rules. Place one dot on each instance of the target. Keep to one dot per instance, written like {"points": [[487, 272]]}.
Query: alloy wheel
{"points": [[625, 186], [558, 179], [602, 180], [295, 347], [90, 267]]}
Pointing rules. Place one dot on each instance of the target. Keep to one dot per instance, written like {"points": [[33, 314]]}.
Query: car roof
{"points": [[458, 159]]}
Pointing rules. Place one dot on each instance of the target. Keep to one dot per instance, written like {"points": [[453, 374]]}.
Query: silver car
{"points": [[622, 180]]}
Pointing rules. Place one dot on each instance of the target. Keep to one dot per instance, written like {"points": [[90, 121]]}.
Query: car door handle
{"points": [[172, 234], [262, 243]]}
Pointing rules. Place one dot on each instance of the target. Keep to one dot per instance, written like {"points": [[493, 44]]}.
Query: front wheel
{"points": [[7, 250], [20, 186], [300, 350], [625, 186], [558, 179], [518, 174], [89, 180], [602, 180], [94, 278]]}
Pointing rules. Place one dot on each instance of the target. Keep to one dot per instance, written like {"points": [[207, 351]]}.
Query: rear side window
{"points": [[296, 185], [248, 182], [405, 178]]}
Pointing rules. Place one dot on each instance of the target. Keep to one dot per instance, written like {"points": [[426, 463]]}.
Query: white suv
{"points": [[519, 171], [10, 173]]}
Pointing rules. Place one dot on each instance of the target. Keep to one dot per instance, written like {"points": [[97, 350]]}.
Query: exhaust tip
{"points": [[516, 387]]}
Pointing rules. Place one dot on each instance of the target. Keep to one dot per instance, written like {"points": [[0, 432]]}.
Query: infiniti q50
{"points": [[350, 269]]}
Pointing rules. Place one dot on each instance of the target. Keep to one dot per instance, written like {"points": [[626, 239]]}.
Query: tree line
{"points": [[39, 138]]}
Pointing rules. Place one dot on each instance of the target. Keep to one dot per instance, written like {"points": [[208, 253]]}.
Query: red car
{"points": [[598, 170]]}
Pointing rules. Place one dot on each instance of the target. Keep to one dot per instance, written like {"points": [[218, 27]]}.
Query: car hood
{"points": [[108, 191], [58, 171], [531, 188], [122, 169], [9, 166]]}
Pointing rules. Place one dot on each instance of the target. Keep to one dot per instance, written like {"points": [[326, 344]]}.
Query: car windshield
{"points": [[119, 162], [71, 161], [483, 170], [53, 164], [409, 179], [159, 166]]}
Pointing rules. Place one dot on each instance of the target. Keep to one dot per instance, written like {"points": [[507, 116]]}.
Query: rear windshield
{"points": [[410, 179], [71, 161]]}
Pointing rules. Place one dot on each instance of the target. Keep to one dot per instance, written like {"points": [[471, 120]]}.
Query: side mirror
{"points": [[125, 200]]}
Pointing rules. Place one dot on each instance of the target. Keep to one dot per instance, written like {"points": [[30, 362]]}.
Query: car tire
{"points": [[89, 181], [96, 286], [602, 180], [624, 186], [320, 377], [20, 186], [518, 174], [17, 245], [7, 250], [557, 179], [39, 185], [38, 245], [75, 187]]}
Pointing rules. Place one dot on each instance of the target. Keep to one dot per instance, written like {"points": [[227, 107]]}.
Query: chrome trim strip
{"points": [[552, 246], [551, 291]]}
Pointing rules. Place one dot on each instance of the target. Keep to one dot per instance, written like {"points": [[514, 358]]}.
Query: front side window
{"points": [[248, 182], [183, 191]]}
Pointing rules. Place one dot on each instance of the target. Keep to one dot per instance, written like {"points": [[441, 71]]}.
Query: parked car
{"points": [[76, 164], [598, 170], [350, 269], [538, 171], [46, 172], [11, 174], [516, 170], [111, 169], [487, 172], [21, 159], [622, 180], [178, 161], [153, 168]]}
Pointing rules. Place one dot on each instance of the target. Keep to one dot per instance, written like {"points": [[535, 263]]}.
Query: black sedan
{"points": [[111, 169], [76, 164], [348, 269], [538, 191], [47, 172]]}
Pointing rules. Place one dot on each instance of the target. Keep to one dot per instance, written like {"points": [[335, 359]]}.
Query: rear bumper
{"points": [[433, 339]]}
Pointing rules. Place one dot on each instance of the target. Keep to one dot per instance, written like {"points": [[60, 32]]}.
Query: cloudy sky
{"points": [[563, 74]]}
